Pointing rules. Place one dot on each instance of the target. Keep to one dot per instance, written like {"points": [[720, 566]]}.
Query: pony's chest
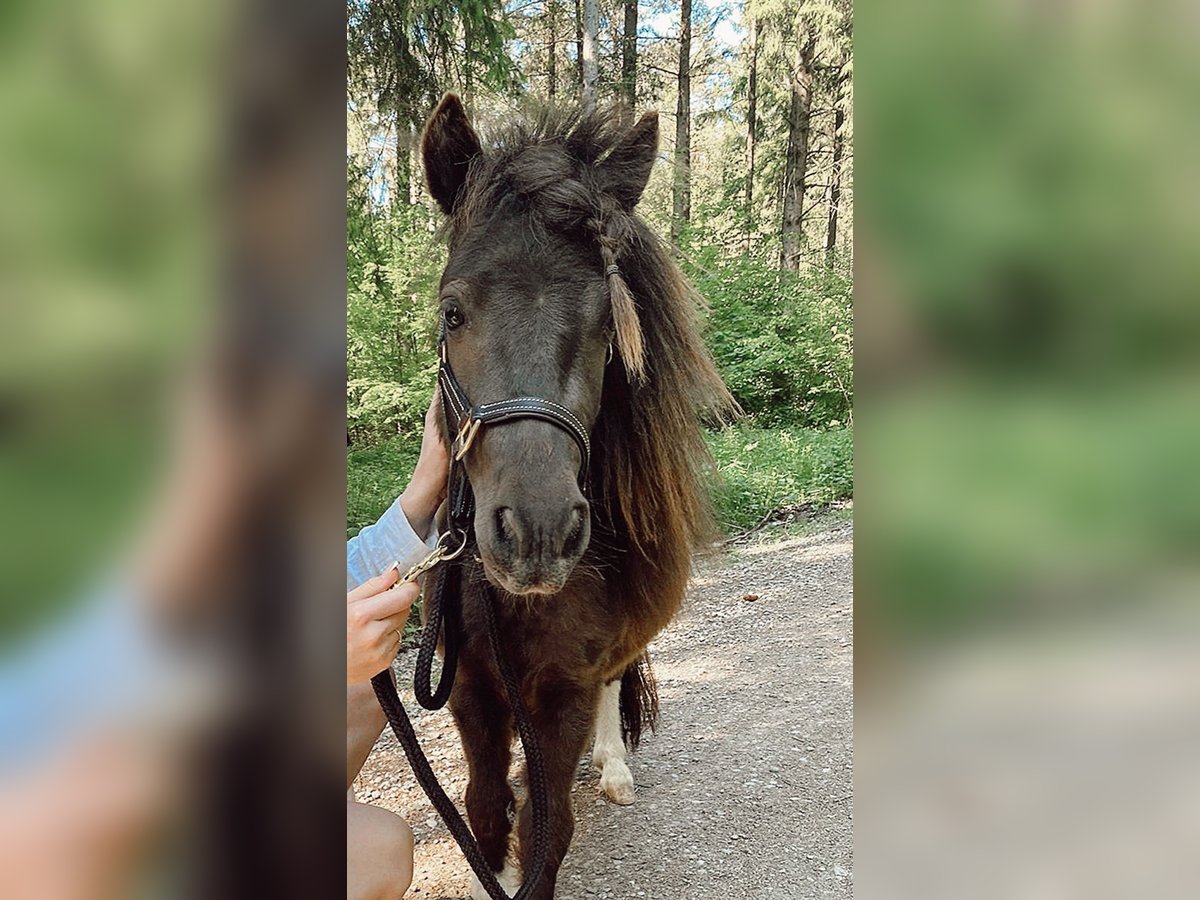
{"points": [[567, 634]]}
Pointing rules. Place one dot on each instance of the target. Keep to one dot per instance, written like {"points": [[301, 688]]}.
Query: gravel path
{"points": [[745, 789]]}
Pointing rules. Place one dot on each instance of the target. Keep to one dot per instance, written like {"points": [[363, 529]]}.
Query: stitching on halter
{"points": [[502, 405], [452, 394]]}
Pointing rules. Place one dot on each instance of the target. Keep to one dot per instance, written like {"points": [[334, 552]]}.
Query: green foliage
{"points": [[783, 342], [405, 52], [375, 477], [393, 262], [760, 470]]}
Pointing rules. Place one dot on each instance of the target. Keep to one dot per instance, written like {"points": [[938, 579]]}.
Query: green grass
{"points": [[375, 476], [807, 522], [760, 470]]}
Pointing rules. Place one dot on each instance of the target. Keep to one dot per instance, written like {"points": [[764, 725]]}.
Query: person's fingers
{"points": [[373, 647], [397, 622], [375, 585], [391, 602]]}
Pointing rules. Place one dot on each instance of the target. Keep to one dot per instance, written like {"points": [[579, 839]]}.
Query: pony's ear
{"points": [[448, 146], [625, 171]]}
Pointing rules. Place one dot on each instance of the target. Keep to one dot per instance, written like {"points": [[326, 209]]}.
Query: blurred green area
{"points": [[1028, 310], [1032, 180], [104, 261], [998, 505]]}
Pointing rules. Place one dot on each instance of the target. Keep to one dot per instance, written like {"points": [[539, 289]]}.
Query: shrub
{"points": [[783, 342], [760, 470]]}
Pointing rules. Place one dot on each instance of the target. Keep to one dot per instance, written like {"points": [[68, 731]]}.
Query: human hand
{"points": [[427, 488], [376, 612]]}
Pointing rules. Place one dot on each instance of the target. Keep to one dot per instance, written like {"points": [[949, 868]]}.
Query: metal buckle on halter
{"points": [[466, 436], [438, 554]]}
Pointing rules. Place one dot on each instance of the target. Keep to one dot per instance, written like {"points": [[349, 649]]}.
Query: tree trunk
{"points": [[835, 169], [682, 196], [751, 131], [415, 175], [552, 49], [579, 44], [395, 164], [796, 164], [629, 55], [591, 27]]}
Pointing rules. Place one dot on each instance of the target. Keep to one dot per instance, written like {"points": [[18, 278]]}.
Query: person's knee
{"points": [[395, 875], [380, 854]]}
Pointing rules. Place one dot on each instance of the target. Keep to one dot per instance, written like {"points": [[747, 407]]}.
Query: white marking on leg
{"points": [[509, 878], [608, 754]]}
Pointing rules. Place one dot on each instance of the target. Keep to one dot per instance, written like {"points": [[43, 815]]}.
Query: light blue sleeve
{"points": [[377, 546], [105, 663], [102, 665]]}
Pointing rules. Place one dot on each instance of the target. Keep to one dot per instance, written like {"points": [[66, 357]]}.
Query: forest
{"points": [[754, 189]]}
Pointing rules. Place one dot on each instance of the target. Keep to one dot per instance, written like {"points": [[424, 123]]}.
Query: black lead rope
{"points": [[397, 716], [443, 621], [435, 613]]}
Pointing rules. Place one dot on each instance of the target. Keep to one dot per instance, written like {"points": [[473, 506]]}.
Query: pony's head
{"points": [[532, 305]]}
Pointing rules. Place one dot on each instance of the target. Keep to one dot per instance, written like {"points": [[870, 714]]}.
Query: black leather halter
{"points": [[464, 421]]}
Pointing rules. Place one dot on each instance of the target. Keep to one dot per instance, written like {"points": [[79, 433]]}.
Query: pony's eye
{"points": [[453, 317]]}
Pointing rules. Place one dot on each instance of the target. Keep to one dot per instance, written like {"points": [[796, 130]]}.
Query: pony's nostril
{"points": [[504, 525], [575, 533], [579, 513]]}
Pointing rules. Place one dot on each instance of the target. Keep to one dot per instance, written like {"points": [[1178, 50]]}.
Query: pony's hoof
{"points": [[509, 878], [617, 782]]}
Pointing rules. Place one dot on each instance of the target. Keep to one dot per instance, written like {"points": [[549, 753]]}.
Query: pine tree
{"points": [[629, 54], [590, 66], [682, 196]]}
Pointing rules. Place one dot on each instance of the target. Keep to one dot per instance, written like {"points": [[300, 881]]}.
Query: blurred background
{"points": [[172, 371], [1028, 504]]}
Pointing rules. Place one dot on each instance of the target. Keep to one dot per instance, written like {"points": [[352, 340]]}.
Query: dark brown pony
{"points": [[549, 269]]}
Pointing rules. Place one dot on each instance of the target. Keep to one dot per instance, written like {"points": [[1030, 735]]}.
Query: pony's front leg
{"points": [[485, 726], [562, 718], [608, 753]]}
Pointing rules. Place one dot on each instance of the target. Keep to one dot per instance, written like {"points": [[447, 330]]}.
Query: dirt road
{"points": [[745, 789]]}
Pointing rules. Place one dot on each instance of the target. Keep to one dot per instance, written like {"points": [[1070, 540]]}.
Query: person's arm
{"points": [[404, 533]]}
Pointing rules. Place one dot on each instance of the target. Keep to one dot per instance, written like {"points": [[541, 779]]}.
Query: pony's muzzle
{"points": [[533, 550]]}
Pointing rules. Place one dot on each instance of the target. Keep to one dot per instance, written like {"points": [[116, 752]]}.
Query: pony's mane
{"points": [[649, 470]]}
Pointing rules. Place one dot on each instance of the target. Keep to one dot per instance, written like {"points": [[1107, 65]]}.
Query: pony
{"points": [[555, 288]]}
